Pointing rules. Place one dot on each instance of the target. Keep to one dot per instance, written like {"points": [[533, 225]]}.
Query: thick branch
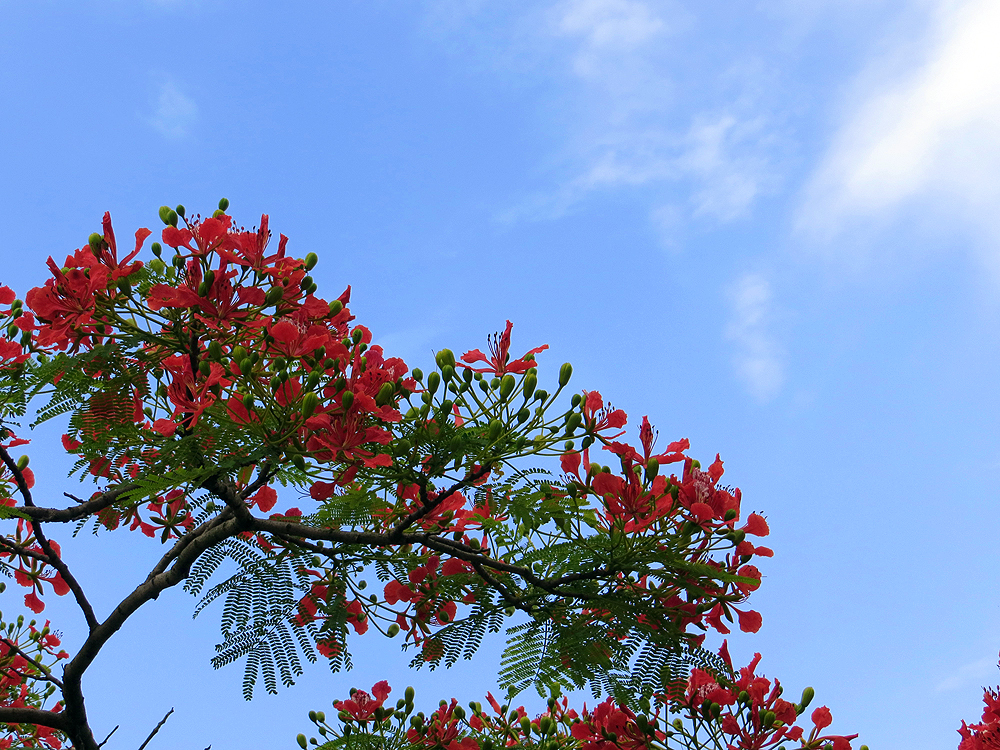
{"points": [[24, 715], [53, 559]]}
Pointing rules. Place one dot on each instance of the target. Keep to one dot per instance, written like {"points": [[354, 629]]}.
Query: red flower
{"points": [[361, 706], [499, 363]]}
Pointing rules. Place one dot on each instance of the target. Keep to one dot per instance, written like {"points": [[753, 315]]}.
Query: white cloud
{"points": [[175, 113], [929, 136], [757, 357], [972, 672]]}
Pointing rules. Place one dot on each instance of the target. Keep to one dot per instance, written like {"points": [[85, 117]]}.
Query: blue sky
{"points": [[770, 226]]}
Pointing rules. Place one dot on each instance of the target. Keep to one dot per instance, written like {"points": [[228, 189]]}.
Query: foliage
{"points": [[193, 385]]}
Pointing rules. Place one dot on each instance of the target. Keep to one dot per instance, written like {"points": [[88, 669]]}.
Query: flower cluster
{"points": [[745, 714], [984, 735], [27, 656]]}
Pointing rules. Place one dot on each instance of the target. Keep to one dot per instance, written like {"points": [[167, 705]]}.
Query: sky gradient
{"points": [[769, 226]]}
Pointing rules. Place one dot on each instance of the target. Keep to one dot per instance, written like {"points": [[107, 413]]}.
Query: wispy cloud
{"points": [[971, 672], [926, 135], [621, 114], [757, 357], [175, 113]]}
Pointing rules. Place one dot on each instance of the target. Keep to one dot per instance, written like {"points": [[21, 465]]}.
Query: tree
{"points": [[197, 382]]}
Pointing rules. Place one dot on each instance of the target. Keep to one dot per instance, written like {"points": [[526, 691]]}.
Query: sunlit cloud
{"points": [[928, 136]]}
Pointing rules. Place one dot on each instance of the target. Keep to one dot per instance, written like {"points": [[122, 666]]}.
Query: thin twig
{"points": [[109, 737], [156, 729]]}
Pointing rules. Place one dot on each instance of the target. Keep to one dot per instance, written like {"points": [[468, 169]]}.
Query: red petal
{"points": [[6, 295], [756, 525], [750, 621], [33, 603]]}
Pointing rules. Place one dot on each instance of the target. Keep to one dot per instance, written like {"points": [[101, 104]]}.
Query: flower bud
{"points": [[445, 358], [652, 469], [392, 632], [301, 739], [433, 381], [807, 696], [274, 296], [172, 218], [408, 694], [495, 428], [179, 209], [95, 241], [165, 214], [336, 306], [157, 265], [529, 386], [311, 260], [22, 462], [506, 386], [346, 400], [223, 204], [565, 373], [309, 403], [157, 248]]}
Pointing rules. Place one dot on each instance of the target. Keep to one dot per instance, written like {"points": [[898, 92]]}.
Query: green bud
{"points": [[652, 469], [301, 739], [494, 430], [392, 632], [172, 218], [447, 373], [459, 713], [309, 403], [433, 381], [178, 261], [311, 260], [274, 296], [445, 358], [418, 374], [565, 373], [731, 514], [408, 694], [506, 386], [203, 288], [157, 248], [95, 241], [124, 286], [246, 365], [529, 386], [165, 214], [22, 462], [357, 336], [807, 696], [179, 209], [157, 265], [346, 400], [223, 204], [204, 368]]}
